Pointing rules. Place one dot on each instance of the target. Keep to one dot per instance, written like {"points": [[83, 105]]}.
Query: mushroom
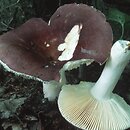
{"points": [[38, 49], [93, 106]]}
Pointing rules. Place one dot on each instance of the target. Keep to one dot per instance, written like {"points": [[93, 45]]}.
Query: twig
{"points": [[11, 5], [7, 26]]}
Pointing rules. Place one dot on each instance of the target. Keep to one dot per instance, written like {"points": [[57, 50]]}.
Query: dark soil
{"points": [[36, 113]]}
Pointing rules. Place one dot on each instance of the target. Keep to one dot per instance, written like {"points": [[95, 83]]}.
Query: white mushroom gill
{"points": [[93, 106], [71, 41]]}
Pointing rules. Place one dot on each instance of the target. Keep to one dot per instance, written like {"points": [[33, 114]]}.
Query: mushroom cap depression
{"points": [[23, 50], [38, 49], [80, 108]]}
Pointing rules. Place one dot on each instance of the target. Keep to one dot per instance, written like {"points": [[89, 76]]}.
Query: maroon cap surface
{"points": [[32, 48]]}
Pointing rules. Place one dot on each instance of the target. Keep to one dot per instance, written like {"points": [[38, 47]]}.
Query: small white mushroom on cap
{"points": [[93, 106], [71, 41]]}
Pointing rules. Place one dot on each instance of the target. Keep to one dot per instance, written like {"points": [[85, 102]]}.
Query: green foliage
{"points": [[119, 17], [119, 20], [13, 13]]}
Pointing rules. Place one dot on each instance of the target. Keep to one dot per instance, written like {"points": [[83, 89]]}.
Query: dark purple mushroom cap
{"points": [[23, 50], [96, 35], [32, 48]]}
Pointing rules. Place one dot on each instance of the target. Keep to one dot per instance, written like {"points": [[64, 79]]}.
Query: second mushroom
{"points": [[93, 106]]}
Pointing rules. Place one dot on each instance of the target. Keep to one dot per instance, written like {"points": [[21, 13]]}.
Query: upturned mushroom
{"points": [[94, 106]]}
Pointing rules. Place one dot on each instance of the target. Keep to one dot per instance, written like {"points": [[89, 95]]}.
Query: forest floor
{"points": [[23, 106]]}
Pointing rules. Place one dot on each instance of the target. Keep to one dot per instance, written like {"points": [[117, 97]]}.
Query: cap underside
{"points": [[81, 109]]}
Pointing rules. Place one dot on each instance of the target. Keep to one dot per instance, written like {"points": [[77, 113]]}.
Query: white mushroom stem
{"points": [[119, 57]]}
